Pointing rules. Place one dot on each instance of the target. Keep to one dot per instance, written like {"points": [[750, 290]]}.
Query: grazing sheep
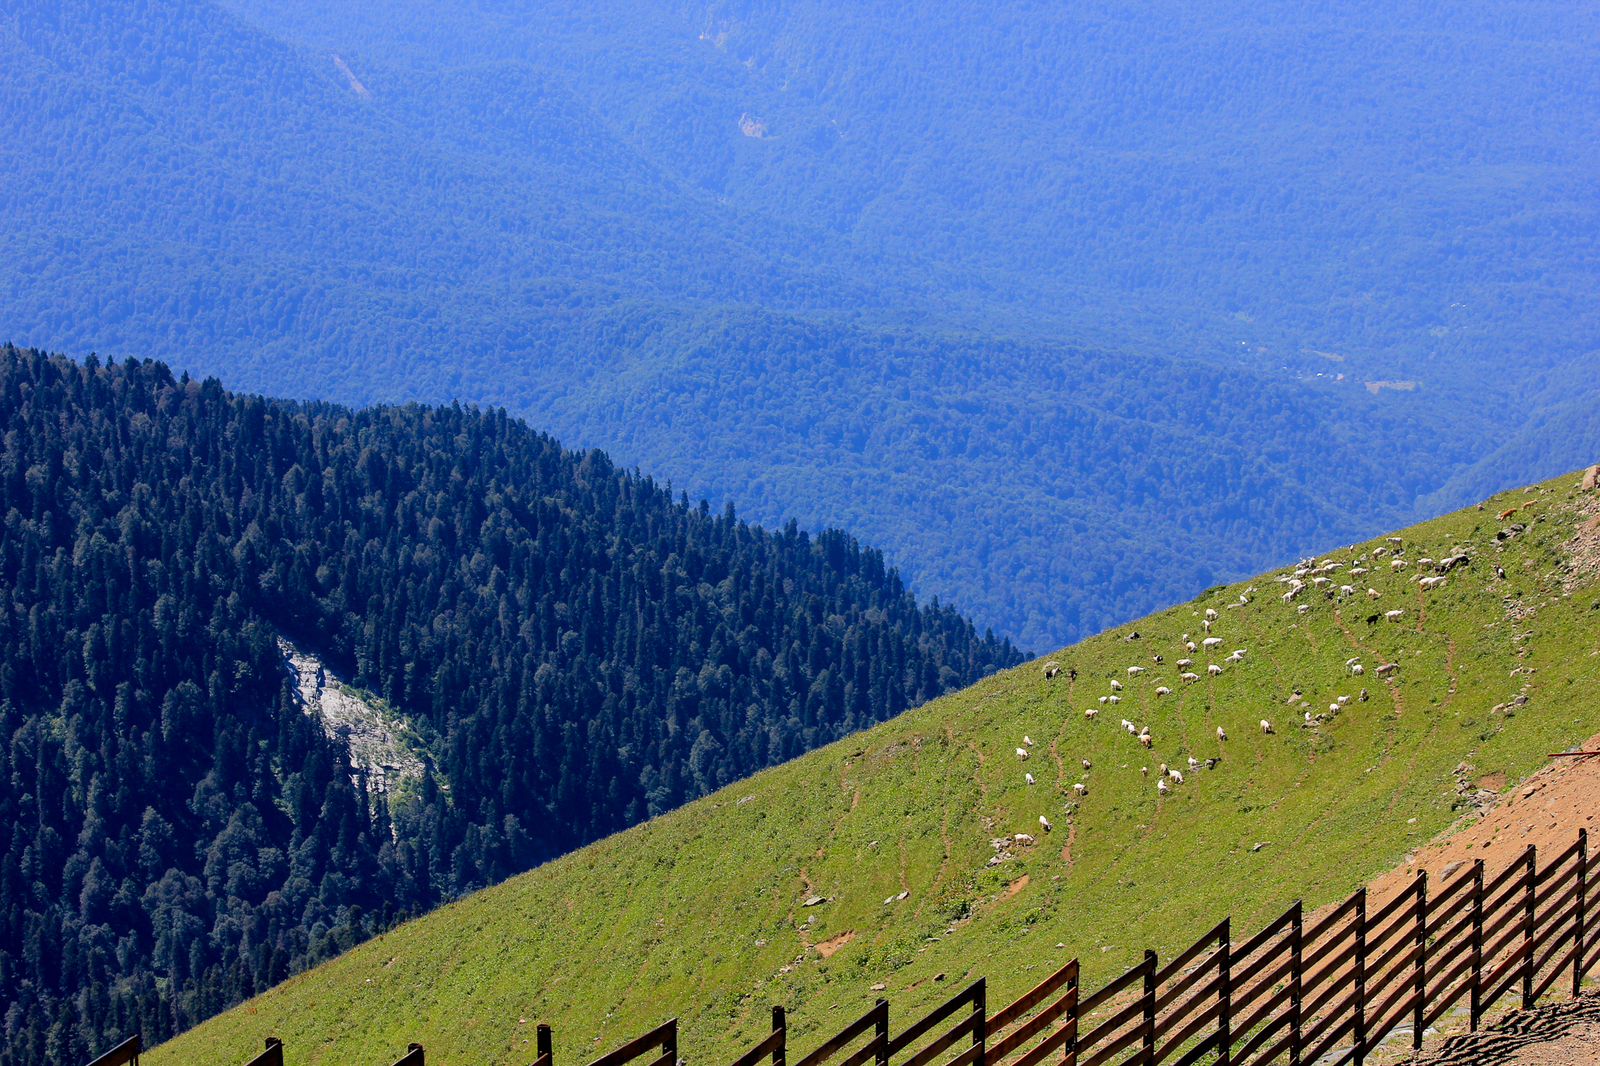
{"points": [[1085, 762], [1023, 839], [1145, 770], [1044, 823], [1113, 699], [1236, 657], [1176, 775], [1144, 730], [1302, 609], [1363, 696], [1206, 625], [1081, 789], [1373, 594], [1320, 581], [1161, 787], [1352, 660], [1182, 663], [1028, 778], [1162, 769], [1357, 670], [1347, 590], [1027, 740], [1214, 669], [1103, 700], [1116, 686], [1385, 669], [1212, 642], [1022, 753], [1191, 646], [1189, 677], [1398, 564], [1221, 734], [1266, 726], [1333, 708], [1091, 712], [1162, 690], [1132, 670], [1144, 738], [1211, 616], [1343, 700], [1127, 725], [1395, 615], [1211, 764], [1156, 659], [1051, 669], [1394, 540]]}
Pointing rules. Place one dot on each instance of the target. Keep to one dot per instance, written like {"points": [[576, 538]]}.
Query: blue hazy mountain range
{"points": [[1071, 309]]}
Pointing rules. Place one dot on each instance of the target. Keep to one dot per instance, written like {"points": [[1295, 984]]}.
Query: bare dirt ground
{"points": [[1547, 809]]}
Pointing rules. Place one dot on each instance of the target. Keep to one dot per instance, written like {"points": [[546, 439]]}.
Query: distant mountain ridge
{"points": [[553, 208], [547, 649]]}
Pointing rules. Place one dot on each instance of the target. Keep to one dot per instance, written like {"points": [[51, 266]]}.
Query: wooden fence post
{"points": [[542, 1045], [980, 1022], [883, 1031], [1583, 892], [1296, 982], [1477, 943], [1422, 958], [780, 1025], [412, 1057], [1069, 1050], [669, 1046], [1361, 977], [1149, 1006], [1527, 932], [1225, 995]]}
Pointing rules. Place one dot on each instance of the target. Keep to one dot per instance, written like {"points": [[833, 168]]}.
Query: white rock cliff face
{"points": [[374, 734]]}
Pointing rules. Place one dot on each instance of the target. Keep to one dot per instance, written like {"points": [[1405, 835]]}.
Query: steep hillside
{"points": [[273, 674], [883, 860]]}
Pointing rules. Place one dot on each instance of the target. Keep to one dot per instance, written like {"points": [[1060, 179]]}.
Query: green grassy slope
{"points": [[700, 913]]}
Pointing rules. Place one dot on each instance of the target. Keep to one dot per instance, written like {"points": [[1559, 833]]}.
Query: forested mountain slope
{"points": [[890, 863], [658, 231], [573, 651]]}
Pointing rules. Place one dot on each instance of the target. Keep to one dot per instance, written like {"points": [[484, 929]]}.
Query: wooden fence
{"points": [[1329, 993]]}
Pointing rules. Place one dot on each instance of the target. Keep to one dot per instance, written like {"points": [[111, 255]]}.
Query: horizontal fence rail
{"points": [[1330, 993]]}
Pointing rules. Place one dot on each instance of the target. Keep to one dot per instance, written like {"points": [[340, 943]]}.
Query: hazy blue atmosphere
{"points": [[1034, 297]]}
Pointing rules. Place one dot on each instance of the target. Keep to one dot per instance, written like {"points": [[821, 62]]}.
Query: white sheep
{"points": [[1145, 770], [1176, 775], [1212, 642], [1086, 763], [1162, 769], [1352, 660], [1373, 594], [1397, 564], [1221, 734], [1189, 676], [1162, 690], [1091, 712], [1127, 725], [1022, 753], [1357, 670], [1044, 823], [1027, 740], [1333, 708], [1211, 616], [1028, 778], [1144, 738], [1343, 700], [1206, 625], [1161, 787], [1214, 669], [1132, 670], [1022, 839], [1395, 615], [1347, 590], [1191, 646], [1184, 663], [1113, 699], [1266, 726], [1116, 686], [1194, 764], [1080, 788]]}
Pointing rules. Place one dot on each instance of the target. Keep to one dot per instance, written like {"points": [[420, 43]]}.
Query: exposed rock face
{"points": [[379, 746]]}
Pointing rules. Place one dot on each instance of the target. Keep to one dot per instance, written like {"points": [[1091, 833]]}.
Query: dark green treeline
{"points": [[578, 651]]}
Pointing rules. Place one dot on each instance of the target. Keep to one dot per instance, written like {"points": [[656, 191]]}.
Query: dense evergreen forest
{"points": [[874, 264], [576, 650]]}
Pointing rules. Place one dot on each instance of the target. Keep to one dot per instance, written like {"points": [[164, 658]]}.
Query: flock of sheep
{"points": [[1309, 574]]}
